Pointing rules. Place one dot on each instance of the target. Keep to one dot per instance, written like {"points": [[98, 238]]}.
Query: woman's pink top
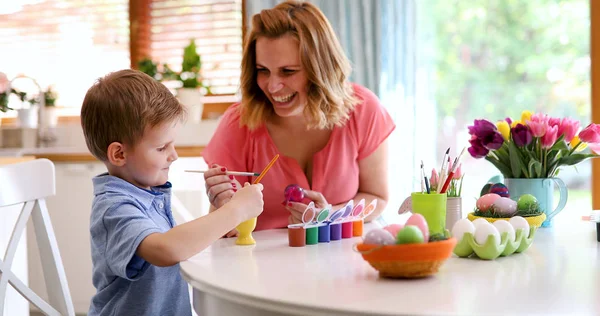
{"points": [[335, 167]]}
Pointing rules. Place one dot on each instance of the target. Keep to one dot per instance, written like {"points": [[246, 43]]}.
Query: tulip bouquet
{"points": [[536, 146]]}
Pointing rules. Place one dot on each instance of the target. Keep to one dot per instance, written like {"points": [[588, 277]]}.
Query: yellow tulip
{"points": [[504, 129], [514, 123], [576, 141], [526, 116]]}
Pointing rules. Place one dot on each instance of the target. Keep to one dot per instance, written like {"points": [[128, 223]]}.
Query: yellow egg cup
{"points": [[532, 220], [245, 230], [490, 250]]}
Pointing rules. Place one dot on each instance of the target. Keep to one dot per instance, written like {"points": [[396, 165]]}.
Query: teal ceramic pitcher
{"points": [[542, 189]]}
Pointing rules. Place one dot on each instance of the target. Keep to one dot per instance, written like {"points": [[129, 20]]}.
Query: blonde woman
{"points": [[297, 102]]}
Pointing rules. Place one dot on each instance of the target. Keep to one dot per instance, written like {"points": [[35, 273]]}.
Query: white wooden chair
{"points": [[28, 183]]}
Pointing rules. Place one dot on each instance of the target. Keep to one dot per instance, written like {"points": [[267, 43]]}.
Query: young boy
{"points": [[129, 122]]}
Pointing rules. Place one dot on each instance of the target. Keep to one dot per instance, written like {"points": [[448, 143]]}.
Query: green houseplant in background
{"points": [[192, 87]]}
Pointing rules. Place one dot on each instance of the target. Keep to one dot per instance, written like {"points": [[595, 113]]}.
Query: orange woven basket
{"points": [[407, 260]]}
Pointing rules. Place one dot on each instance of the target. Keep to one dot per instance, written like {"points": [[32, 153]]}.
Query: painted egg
{"points": [[379, 237], [461, 227], [410, 235], [486, 189], [483, 231], [519, 222], [505, 207], [500, 189], [394, 228], [293, 193], [486, 201], [526, 202], [418, 220], [505, 227]]}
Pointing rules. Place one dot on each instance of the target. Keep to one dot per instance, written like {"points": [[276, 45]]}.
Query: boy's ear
{"points": [[116, 154]]}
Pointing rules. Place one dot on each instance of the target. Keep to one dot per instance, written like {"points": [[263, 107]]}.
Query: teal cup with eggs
{"points": [[433, 208], [543, 190]]}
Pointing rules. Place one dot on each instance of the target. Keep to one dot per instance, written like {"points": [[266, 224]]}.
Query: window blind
{"points": [[66, 44], [216, 27]]}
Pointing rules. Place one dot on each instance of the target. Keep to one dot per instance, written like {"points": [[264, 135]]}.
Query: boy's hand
{"points": [[249, 200]]}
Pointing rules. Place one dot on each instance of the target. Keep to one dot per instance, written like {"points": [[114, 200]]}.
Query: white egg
{"points": [[461, 227], [519, 222], [482, 231], [479, 221], [505, 227]]}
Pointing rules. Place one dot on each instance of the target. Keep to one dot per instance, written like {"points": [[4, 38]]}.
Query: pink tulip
{"points": [[457, 173], [590, 134], [550, 137], [538, 129], [435, 178], [595, 148], [568, 127], [553, 121]]}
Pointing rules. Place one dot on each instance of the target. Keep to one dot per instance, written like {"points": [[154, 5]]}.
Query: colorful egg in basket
{"points": [[407, 260]]}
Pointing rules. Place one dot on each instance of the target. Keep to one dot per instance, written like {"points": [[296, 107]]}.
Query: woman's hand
{"points": [[297, 209], [219, 186]]}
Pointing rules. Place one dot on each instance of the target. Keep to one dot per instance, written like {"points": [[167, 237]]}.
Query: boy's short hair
{"points": [[121, 105]]}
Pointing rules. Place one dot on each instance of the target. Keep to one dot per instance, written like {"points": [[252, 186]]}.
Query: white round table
{"points": [[558, 274]]}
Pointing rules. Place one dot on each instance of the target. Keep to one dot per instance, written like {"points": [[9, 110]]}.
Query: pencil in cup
{"points": [[233, 173]]}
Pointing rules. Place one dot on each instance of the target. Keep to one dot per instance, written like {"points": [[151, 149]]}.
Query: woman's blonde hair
{"points": [[330, 95]]}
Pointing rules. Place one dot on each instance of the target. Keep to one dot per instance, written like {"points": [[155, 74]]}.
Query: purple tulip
{"points": [[521, 135], [487, 134], [508, 120], [477, 150]]}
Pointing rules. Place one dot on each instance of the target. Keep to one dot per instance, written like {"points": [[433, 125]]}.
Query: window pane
{"points": [[494, 59], [65, 44], [216, 26]]}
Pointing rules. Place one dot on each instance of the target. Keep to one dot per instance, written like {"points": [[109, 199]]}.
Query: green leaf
{"points": [[535, 168], [505, 170], [515, 161], [574, 159], [560, 144]]}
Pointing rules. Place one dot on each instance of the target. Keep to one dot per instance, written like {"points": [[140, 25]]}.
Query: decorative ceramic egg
{"points": [[500, 189], [505, 227], [484, 230], [293, 193], [461, 227], [418, 220], [410, 235], [486, 189], [394, 228], [526, 202], [486, 201], [505, 207], [379, 237], [519, 222]]}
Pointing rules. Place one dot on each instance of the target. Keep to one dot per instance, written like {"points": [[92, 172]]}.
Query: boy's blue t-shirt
{"points": [[122, 216]]}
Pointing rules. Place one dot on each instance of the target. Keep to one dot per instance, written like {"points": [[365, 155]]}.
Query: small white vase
{"points": [[28, 118], [453, 211], [192, 99]]}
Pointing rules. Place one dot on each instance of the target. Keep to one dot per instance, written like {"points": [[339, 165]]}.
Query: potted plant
{"points": [[190, 94], [530, 152], [192, 88], [453, 193]]}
